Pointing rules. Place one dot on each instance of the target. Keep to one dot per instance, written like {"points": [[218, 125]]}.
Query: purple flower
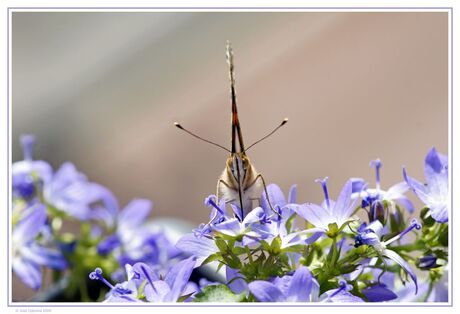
{"points": [[295, 288], [374, 197], [28, 254], [71, 192], [276, 226], [174, 284], [235, 228], [169, 288], [218, 215], [371, 235], [268, 230], [132, 242], [300, 287], [439, 292], [278, 200], [435, 193], [329, 212], [28, 175]]}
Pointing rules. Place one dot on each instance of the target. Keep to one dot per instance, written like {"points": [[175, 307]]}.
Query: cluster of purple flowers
{"points": [[43, 199], [326, 252]]}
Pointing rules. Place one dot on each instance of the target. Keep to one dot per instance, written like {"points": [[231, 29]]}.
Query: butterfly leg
{"points": [[259, 176]]}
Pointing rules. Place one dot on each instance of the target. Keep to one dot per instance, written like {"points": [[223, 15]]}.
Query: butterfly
{"points": [[240, 183]]}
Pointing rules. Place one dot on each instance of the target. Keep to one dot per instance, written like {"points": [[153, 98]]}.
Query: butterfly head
{"points": [[238, 165]]}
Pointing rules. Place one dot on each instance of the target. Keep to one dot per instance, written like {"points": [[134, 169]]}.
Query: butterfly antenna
{"points": [[263, 138], [179, 126]]}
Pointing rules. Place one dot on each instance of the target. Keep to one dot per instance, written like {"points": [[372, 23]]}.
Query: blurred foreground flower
{"points": [[29, 255], [44, 201]]}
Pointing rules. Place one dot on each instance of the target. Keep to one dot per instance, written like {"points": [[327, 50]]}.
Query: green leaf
{"points": [[289, 222], [426, 218], [218, 293], [184, 297], [212, 258], [294, 248], [221, 245], [264, 245], [444, 236], [238, 250], [219, 267], [333, 255], [348, 268], [232, 260]]}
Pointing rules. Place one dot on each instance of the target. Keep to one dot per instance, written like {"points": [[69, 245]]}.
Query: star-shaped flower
{"points": [[435, 192]]}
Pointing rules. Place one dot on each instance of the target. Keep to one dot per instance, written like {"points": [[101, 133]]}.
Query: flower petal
{"points": [[236, 285], [344, 204], [436, 172], [100, 192], [314, 237], [38, 167], [406, 203], [397, 190], [419, 189], [201, 247], [29, 226], [342, 296], [29, 272], [178, 277], [300, 285], [254, 216], [134, 213], [265, 291], [440, 213], [158, 293], [314, 214], [276, 197], [379, 293], [108, 244], [292, 197], [140, 272], [51, 258], [357, 185], [401, 262], [231, 227]]}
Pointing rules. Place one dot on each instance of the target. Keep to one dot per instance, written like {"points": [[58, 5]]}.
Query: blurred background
{"points": [[103, 89]]}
